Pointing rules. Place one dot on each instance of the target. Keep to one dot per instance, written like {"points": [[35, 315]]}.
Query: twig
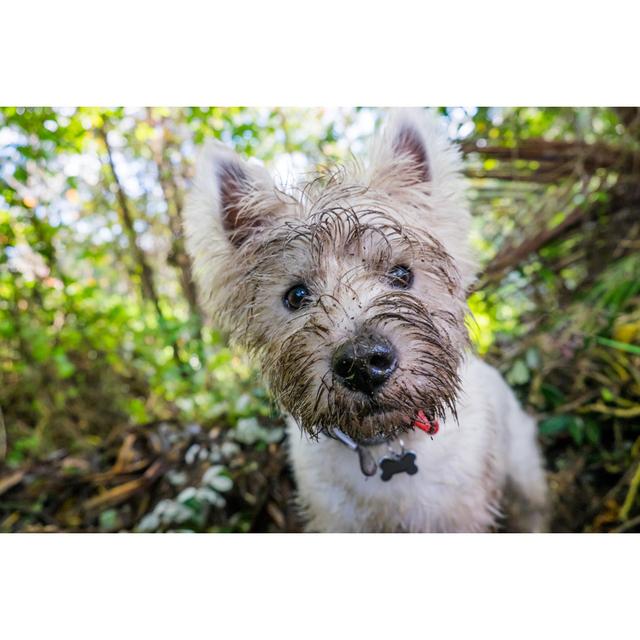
{"points": [[592, 156], [512, 256], [631, 495], [3, 438], [629, 524], [146, 273]]}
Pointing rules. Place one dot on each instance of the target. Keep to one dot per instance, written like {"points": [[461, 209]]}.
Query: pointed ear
{"points": [[415, 163], [234, 188], [413, 152], [409, 147], [230, 197], [402, 155]]}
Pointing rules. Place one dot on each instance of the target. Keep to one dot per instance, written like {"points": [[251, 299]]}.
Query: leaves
{"points": [[617, 344], [101, 337]]}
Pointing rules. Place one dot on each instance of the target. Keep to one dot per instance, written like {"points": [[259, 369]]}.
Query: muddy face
{"points": [[349, 289], [358, 322]]}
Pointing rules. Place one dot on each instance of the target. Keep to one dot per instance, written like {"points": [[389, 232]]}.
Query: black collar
{"points": [[354, 443]]}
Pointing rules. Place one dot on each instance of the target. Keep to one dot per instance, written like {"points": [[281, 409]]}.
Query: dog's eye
{"points": [[400, 277], [296, 297]]}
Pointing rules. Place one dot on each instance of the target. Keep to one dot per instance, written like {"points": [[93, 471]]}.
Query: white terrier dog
{"points": [[350, 293]]}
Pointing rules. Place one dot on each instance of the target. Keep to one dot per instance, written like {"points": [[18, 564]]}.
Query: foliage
{"points": [[117, 397]]}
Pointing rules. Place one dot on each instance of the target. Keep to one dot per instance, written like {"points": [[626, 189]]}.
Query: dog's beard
{"points": [[430, 346], [388, 413], [429, 384]]}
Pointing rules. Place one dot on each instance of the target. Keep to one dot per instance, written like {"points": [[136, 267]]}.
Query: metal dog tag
{"points": [[367, 463], [404, 462]]}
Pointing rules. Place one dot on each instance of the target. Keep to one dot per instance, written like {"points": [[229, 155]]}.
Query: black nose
{"points": [[364, 363]]}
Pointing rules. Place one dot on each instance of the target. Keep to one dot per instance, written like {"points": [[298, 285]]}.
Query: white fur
{"points": [[461, 471]]}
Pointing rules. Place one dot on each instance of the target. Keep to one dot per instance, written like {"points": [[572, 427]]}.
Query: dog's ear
{"points": [[412, 153], [234, 187], [415, 163], [408, 146], [230, 198]]}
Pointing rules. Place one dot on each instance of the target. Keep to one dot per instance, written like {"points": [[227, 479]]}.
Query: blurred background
{"points": [[122, 409]]}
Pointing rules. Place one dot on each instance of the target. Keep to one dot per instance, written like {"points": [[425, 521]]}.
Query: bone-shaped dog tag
{"points": [[404, 462]]}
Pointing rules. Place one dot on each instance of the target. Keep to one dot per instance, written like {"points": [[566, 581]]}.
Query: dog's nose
{"points": [[364, 363]]}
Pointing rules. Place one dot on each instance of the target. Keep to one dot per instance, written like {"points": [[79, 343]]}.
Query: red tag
{"points": [[422, 422]]}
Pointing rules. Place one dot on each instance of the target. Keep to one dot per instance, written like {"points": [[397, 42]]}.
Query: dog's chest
{"points": [[456, 487]]}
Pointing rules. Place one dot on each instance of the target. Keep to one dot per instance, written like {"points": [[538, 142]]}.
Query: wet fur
{"points": [[340, 234]]}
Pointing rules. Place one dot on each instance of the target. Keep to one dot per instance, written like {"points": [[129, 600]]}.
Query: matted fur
{"points": [[340, 234]]}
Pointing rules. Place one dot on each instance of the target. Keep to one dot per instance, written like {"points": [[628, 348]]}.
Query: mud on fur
{"points": [[349, 291]]}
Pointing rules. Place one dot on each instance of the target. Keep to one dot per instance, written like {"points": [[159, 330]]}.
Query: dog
{"points": [[349, 290]]}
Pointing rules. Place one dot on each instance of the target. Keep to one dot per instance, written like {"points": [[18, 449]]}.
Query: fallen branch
{"points": [[510, 257], [590, 156], [124, 491]]}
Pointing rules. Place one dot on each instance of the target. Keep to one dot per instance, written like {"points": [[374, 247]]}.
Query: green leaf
{"points": [[533, 358], [519, 373], [592, 432], [607, 396], [576, 429], [109, 520], [556, 425], [621, 346], [64, 366]]}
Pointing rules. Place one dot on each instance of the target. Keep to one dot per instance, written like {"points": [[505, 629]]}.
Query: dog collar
{"points": [[392, 464]]}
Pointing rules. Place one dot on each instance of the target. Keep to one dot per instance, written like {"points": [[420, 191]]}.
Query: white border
{"points": [[318, 586], [329, 53]]}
